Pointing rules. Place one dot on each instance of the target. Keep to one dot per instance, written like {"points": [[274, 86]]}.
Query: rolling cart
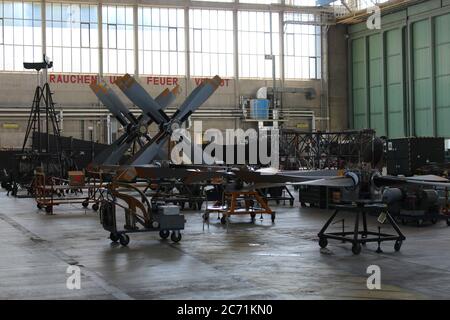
{"points": [[357, 237]]}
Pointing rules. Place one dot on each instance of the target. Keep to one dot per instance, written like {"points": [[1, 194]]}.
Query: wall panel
{"points": [[442, 74], [395, 83], [359, 85], [401, 87]]}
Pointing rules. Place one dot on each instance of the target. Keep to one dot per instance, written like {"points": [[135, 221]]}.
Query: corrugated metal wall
{"points": [[400, 74]]}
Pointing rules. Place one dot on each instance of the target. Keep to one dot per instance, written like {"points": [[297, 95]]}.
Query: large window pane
{"points": [[258, 38], [20, 38], [161, 41], [211, 38], [301, 47], [119, 44], [72, 37]]}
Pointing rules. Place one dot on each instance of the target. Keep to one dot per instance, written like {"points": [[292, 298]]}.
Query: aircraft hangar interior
{"points": [[224, 149]]}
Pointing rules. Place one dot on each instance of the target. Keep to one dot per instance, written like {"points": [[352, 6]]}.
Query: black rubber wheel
{"points": [[223, 220], [404, 222], [448, 222], [253, 217], [114, 237], [199, 205], [291, 202], [164, 234], [419, 222], [39, 206], [277, 201], [272, 216], [95, 206], [323, 242], [398, 245], [356, 248], [175, 236], [85, 204], [124, 239], [434, 220], [48, 209]]}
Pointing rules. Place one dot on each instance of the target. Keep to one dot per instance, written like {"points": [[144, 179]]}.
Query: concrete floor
{"points": [[247, 261]]}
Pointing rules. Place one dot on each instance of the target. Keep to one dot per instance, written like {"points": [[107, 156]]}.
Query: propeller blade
{"points": [[140, 97], [103, 156], [197, 98], [148, 153], [338, 182], [425, 180], [120, 105], [118, 153], [184, 174], [102, 94], [167, 97], [283, 177]]}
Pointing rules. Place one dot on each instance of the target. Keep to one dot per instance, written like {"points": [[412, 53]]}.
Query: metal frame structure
{"points": [[322, 150]]}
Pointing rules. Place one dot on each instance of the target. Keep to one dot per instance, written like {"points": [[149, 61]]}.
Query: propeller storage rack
{"points": [[358, 238]]}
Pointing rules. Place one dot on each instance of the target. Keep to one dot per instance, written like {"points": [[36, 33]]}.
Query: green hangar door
{"points": [[400, 74], [377, 85], [422, 99], [431, 76], [442, 77], [395, 83], [376, 97]]}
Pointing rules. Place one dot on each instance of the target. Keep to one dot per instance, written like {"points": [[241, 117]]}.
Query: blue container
{"points": [[259, 109]]}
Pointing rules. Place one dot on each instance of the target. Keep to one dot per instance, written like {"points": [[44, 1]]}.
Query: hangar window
{"points": [[118, 39], [20, 38], [72, 37], [211, 42], [256, 41], [161, 41], [302, 56]]}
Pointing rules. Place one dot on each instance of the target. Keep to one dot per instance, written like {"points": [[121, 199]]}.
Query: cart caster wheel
{"points": [[434, 221], [277, 202], [124, 239], [114, 237], [175, 236], [448, 222], [199, 205], [398, 245], [253, 217], [272, 216], [323, 242], [291, 203], [356, 249], [85, 204], [404, 222], [48, 209], [419, 222], [223, 220], [164, 234], [39, 206], [95, 206]]}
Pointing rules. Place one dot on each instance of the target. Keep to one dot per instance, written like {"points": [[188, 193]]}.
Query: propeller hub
{"points": [[172, 126], [142, 129]]}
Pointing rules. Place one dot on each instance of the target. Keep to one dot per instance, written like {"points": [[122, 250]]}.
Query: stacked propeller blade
{"points": [[135, 127], [152, 111], [139, 96]]}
